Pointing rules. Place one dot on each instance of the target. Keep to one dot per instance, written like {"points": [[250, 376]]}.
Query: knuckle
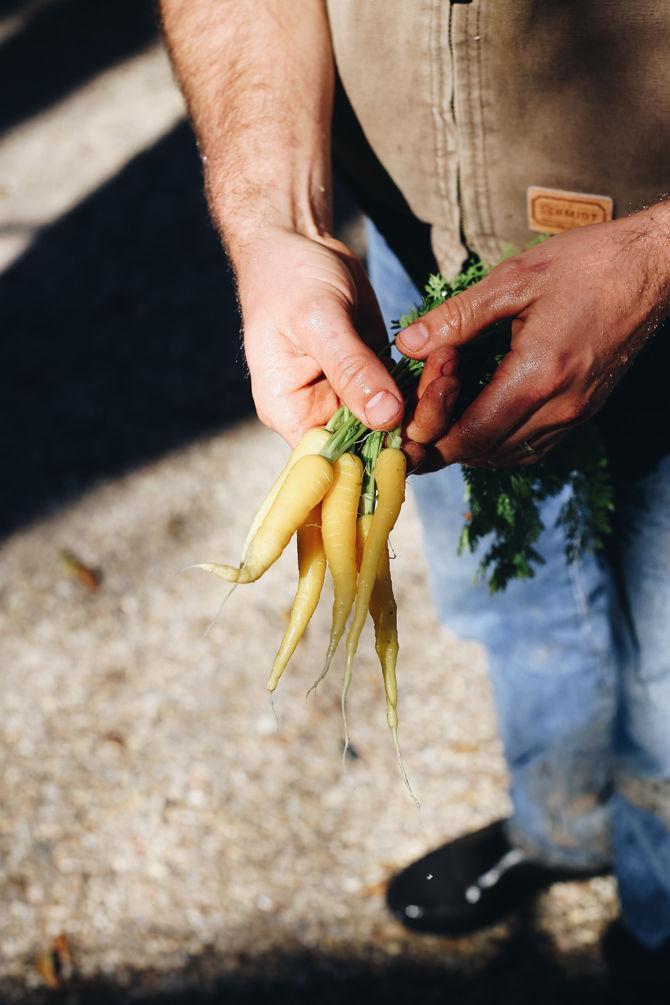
{"points": [[348, 372], [521, 269], [443, 354], [424, 429], [476, 441], [547, 378], [508, 270], [510, 275], [454, 315], [548, 385], [573, 410]]}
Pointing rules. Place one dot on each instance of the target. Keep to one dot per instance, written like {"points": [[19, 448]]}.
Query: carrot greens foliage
{"points": [[503, 504]]}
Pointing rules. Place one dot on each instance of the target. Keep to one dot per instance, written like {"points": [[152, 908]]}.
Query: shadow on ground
{"points": [[61, 45], [525, 970], [120, 331], [121, 334]]}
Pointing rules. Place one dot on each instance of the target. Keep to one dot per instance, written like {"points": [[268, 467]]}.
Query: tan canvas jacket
{"points": [[468, 105]]}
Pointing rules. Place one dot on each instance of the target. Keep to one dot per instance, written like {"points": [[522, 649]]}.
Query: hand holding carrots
{"points": [[343, 486], [312, 333], [581, 307]]}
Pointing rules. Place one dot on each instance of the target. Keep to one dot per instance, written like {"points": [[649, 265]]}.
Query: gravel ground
{"points": [[151, 810], [154, 821]]}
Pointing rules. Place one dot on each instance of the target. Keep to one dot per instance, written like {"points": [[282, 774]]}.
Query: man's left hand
{"points": [[582, 306]]}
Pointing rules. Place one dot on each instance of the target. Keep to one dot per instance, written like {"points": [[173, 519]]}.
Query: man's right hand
{"points": [[312, 331]]}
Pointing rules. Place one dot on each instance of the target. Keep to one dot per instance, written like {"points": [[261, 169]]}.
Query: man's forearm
{"points": [[258, 79]]}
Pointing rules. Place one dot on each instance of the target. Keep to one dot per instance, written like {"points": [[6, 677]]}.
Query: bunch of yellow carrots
{"points": [[340, 493]]}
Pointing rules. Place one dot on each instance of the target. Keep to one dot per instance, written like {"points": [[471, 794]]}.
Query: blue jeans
{"points": [[579, 658]]}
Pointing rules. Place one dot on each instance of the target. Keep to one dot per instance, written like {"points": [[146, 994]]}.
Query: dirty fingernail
{"points": [[382, 407], [415, 337]]}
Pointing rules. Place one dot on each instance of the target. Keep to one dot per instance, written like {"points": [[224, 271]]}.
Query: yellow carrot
{"points": [[389, 474], [311, 443], [304, 487], [362, 531], [363, 525], [384, 614], [338, 529], [311, 573]]}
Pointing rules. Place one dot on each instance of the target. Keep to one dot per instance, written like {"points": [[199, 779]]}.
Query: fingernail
{"points": [[382, 407], [415, 337], [447, 369]]}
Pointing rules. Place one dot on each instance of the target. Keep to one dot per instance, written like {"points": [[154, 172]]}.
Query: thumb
{"points": [[501, 294], [353, 370]]}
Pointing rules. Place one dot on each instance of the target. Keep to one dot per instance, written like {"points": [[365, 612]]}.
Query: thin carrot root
{"points": [[311, 443], [311, 573], [362, 530], [343, 706], [384, 611], [345, 726], [394, 730], [274, 710], [338, 528], [218, 613]]}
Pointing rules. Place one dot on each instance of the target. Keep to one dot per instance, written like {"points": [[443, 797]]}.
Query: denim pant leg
{"points": [[641, 805], [549, 645]]}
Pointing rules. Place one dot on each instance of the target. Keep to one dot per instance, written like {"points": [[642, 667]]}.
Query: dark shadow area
{"points": [[525, 971], [62, 45], [120, 334], [10, 7]]}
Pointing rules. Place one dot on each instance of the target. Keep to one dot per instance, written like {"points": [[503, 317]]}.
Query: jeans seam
{"points": [[579, 594]]}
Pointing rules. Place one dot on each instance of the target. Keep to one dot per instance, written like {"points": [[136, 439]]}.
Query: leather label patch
{"points": [[550, 210]]}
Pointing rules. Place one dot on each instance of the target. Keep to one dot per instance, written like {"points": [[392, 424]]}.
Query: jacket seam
{"points": [[437, 90], [488, 222]]}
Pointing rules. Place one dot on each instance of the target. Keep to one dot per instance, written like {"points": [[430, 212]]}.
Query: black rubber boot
{"points": [[471, 883]]}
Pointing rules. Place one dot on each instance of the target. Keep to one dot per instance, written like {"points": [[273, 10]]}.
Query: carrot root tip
{"points": [[274, 710], [326, 668], [343, 704], [394, 730]]}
